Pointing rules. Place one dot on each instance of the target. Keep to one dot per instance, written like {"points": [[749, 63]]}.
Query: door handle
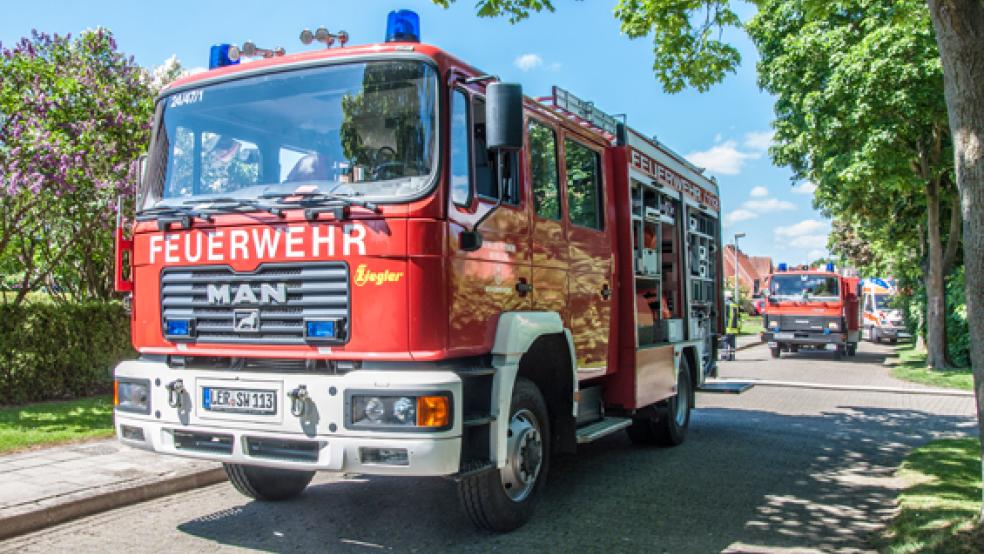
{"points": [[606, 292], [524, 288]]}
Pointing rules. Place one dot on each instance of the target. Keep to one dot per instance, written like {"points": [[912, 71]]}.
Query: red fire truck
{"points": [[380, 260], [809, 308]]}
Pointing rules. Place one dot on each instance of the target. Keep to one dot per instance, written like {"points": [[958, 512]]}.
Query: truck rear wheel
{"points": [[668, 427], [264, 483], [503, 500], [775, 351]]}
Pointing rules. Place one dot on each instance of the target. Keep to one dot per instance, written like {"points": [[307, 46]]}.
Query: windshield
{"points": [[804, 285], [364, 129], [884, 301]]}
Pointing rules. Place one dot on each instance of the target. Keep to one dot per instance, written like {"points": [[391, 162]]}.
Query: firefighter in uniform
{"points": [[732, 326]]}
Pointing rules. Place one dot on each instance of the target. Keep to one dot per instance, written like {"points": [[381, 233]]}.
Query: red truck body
{"points": [[811, 309], [294, 335]]}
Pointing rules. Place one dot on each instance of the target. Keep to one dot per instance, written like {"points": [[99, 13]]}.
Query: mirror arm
{"points": [[474, 241]]}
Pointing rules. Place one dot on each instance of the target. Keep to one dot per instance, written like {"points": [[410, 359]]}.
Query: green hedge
{"points": [[56, 351]]}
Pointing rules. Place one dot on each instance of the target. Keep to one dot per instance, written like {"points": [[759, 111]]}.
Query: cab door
{"points": [[495, 278], [590, 278], [548, 229]]}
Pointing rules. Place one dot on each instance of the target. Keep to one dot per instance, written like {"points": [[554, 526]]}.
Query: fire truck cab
{"points": [[808, 308], [380, 260]]}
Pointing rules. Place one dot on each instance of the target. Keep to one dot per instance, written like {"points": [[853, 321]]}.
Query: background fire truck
{"points": [[378, 259], [882, 320], [811, 309]]}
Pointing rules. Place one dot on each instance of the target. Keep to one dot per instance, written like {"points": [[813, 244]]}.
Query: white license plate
{"points": [[239, 401], [783, 335]]}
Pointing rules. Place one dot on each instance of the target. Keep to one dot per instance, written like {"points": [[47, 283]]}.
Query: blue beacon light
{"points": [[403, 26], [221, 55]]}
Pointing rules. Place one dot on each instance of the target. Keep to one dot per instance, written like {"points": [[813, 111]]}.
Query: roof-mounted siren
{"points": [[403, 26], [830, 267], [251, 50], [221, 55], [782, 267], [322, 35]]}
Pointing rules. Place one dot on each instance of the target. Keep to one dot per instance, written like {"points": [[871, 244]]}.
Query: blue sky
{"points": [[579, 48]]}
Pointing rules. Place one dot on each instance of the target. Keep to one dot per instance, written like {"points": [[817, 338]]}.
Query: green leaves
{"points": [[515, 10], [687, 44]]}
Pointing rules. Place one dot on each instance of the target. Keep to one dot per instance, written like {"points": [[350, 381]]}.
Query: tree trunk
{"points": [[959, 28], [935, 290]]}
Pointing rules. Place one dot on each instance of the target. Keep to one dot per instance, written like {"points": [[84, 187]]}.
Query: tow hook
{"points": [[175, 393], [298, 400]]}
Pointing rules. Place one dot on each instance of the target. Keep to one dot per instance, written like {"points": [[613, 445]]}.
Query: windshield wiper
{"points": [[314, 203], [229, 202], [166, 215]]}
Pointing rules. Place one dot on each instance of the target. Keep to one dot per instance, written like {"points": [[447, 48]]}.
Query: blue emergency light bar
{"points": [[403, 26], [830, 267], [782, 267], [222, 55]]}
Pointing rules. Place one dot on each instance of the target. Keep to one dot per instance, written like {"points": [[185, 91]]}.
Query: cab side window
{"points": [[485, 162], [461, 192], [584, 195], [543, 170]]}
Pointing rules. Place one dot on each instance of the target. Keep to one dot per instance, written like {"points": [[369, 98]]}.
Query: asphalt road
{"points": [[775, 469]]}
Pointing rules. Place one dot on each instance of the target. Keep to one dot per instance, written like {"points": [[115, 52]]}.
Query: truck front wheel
{"points": [[668, 427], [264, 483], [503, 500]]}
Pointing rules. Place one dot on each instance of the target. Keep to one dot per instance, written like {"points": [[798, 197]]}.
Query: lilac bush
{"points": [[74, 114]]}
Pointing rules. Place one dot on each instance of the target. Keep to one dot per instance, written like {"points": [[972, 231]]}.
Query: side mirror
{"points": [[503, 134], [504, 116], [141, 171]]}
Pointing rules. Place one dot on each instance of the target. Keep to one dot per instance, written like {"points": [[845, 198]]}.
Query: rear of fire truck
{"points": [[816, 309]]}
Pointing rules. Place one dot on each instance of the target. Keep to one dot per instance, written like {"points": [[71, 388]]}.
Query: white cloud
{"points": [[809, 233], [767, 205], [528, 62], [739, 215], [759, 192], [724, 158], [806, 187], [759, 141], [803, 228]]}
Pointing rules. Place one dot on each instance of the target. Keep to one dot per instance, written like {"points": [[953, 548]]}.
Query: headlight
{"points": [[833, 325], [408, 411], [774, 324], [132, 395]]}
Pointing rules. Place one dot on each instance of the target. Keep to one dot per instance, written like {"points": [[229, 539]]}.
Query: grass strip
{"points": [[48, 423], [938, 510], [912, 367]]}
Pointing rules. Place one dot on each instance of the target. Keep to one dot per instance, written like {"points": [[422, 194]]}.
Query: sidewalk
{"points": [[747, 341], [51, 485]]}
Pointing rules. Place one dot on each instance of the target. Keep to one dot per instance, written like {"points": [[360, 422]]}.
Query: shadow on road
{"points": [[745, 479]]}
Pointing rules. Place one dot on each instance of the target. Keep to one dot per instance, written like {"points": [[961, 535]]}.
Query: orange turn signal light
{"points": [[116, 392], [433, 411]]}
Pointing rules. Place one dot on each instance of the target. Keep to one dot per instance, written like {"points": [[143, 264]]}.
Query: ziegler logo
{"points": [[364, 275], [275, 293]]}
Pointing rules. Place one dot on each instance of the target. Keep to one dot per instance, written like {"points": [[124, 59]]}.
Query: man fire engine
{"points": [[808, 308], [380, 260]]}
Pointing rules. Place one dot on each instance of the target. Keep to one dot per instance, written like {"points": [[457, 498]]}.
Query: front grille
{"points": [[318, 291], [203, 442], [278, 449]]}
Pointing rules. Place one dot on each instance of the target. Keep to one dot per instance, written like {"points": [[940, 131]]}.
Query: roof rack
{"points": [[581, 111]]}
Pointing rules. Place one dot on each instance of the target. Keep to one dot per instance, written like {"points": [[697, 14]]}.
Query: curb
{"points": [[852, 388], [53, 515]]}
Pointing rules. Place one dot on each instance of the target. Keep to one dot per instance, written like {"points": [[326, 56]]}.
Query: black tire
{"points": [[265, 483], [776, 352], [503, 500], [668, 426], [839, 352], [852, 349], [794, 348]]}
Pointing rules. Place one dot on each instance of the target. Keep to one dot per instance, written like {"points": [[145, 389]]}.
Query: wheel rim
{"points": [[682, 402], [524, 448]]}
